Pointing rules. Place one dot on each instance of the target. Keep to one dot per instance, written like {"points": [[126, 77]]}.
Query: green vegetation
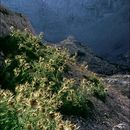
{"points": [[35, 92]]}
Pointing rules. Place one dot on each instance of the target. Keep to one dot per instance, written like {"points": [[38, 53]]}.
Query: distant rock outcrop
{"points": [[85, 56], [9, 18]]}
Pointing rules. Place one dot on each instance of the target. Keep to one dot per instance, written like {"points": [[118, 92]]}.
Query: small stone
{"points": [[121, 126]]}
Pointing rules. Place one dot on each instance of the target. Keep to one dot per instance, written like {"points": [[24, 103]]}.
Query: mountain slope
{"points": [[103, 25], [30, 69], [86, 56]]}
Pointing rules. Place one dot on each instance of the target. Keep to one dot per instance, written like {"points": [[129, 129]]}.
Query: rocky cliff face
{"points": [[102, 24], [9, 18]]}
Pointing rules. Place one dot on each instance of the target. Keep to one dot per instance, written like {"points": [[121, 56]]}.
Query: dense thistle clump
{"points": [[37, 91]]}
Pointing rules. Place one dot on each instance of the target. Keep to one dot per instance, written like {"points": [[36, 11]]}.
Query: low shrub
{"points": [[35, 92]]}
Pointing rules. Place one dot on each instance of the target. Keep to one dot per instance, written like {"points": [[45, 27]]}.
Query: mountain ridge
{"points": [[103, 25]]}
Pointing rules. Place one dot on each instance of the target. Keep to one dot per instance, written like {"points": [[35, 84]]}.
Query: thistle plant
{"points": [[36, 93]]}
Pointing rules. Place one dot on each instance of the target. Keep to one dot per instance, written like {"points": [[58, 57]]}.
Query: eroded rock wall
{"points": [[9, 18]]}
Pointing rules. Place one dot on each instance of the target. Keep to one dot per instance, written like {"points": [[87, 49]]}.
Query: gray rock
{"points": [[121, 126], [120, 82], [9, 18]]}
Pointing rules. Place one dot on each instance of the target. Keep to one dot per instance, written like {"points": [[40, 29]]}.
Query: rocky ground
{"points": [[114, 113]]}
